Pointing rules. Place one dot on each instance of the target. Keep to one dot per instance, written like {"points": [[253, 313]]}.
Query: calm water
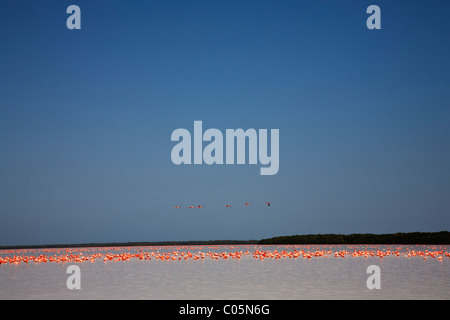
{"points": [[244, 278]]}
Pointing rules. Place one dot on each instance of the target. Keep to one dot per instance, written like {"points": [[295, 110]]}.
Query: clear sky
{"points": [[86, 118]]}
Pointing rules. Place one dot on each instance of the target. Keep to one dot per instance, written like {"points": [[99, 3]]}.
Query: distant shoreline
{"points": [[442, 237]]}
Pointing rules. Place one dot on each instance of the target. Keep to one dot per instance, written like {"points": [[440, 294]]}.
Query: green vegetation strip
{"points": [[442, 237]]}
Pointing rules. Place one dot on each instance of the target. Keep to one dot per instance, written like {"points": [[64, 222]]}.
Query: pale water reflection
{"points": [[246, 277]]}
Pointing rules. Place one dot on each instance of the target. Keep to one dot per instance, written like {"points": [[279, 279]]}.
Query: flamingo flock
{"points": [[226, 206], [115, 254]]}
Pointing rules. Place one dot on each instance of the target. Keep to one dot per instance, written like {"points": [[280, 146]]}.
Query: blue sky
{"points": [[86, 118]]}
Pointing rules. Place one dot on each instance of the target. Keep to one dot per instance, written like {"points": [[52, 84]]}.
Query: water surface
{"points": [[245, 277]]}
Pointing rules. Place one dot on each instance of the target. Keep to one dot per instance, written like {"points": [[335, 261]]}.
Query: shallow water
{"points": [[246, 277]]}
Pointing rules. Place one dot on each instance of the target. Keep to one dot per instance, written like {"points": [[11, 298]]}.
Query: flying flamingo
{"points": [[190, 207], [228, 206], [177, 207], [200, 207], [268, 204], [246, 204]]}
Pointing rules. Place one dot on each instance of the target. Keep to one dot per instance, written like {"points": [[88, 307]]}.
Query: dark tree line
{"points": [[442, 237]]}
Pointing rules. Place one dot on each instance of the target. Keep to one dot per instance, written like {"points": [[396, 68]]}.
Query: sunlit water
{"points": [[244, 278]]}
